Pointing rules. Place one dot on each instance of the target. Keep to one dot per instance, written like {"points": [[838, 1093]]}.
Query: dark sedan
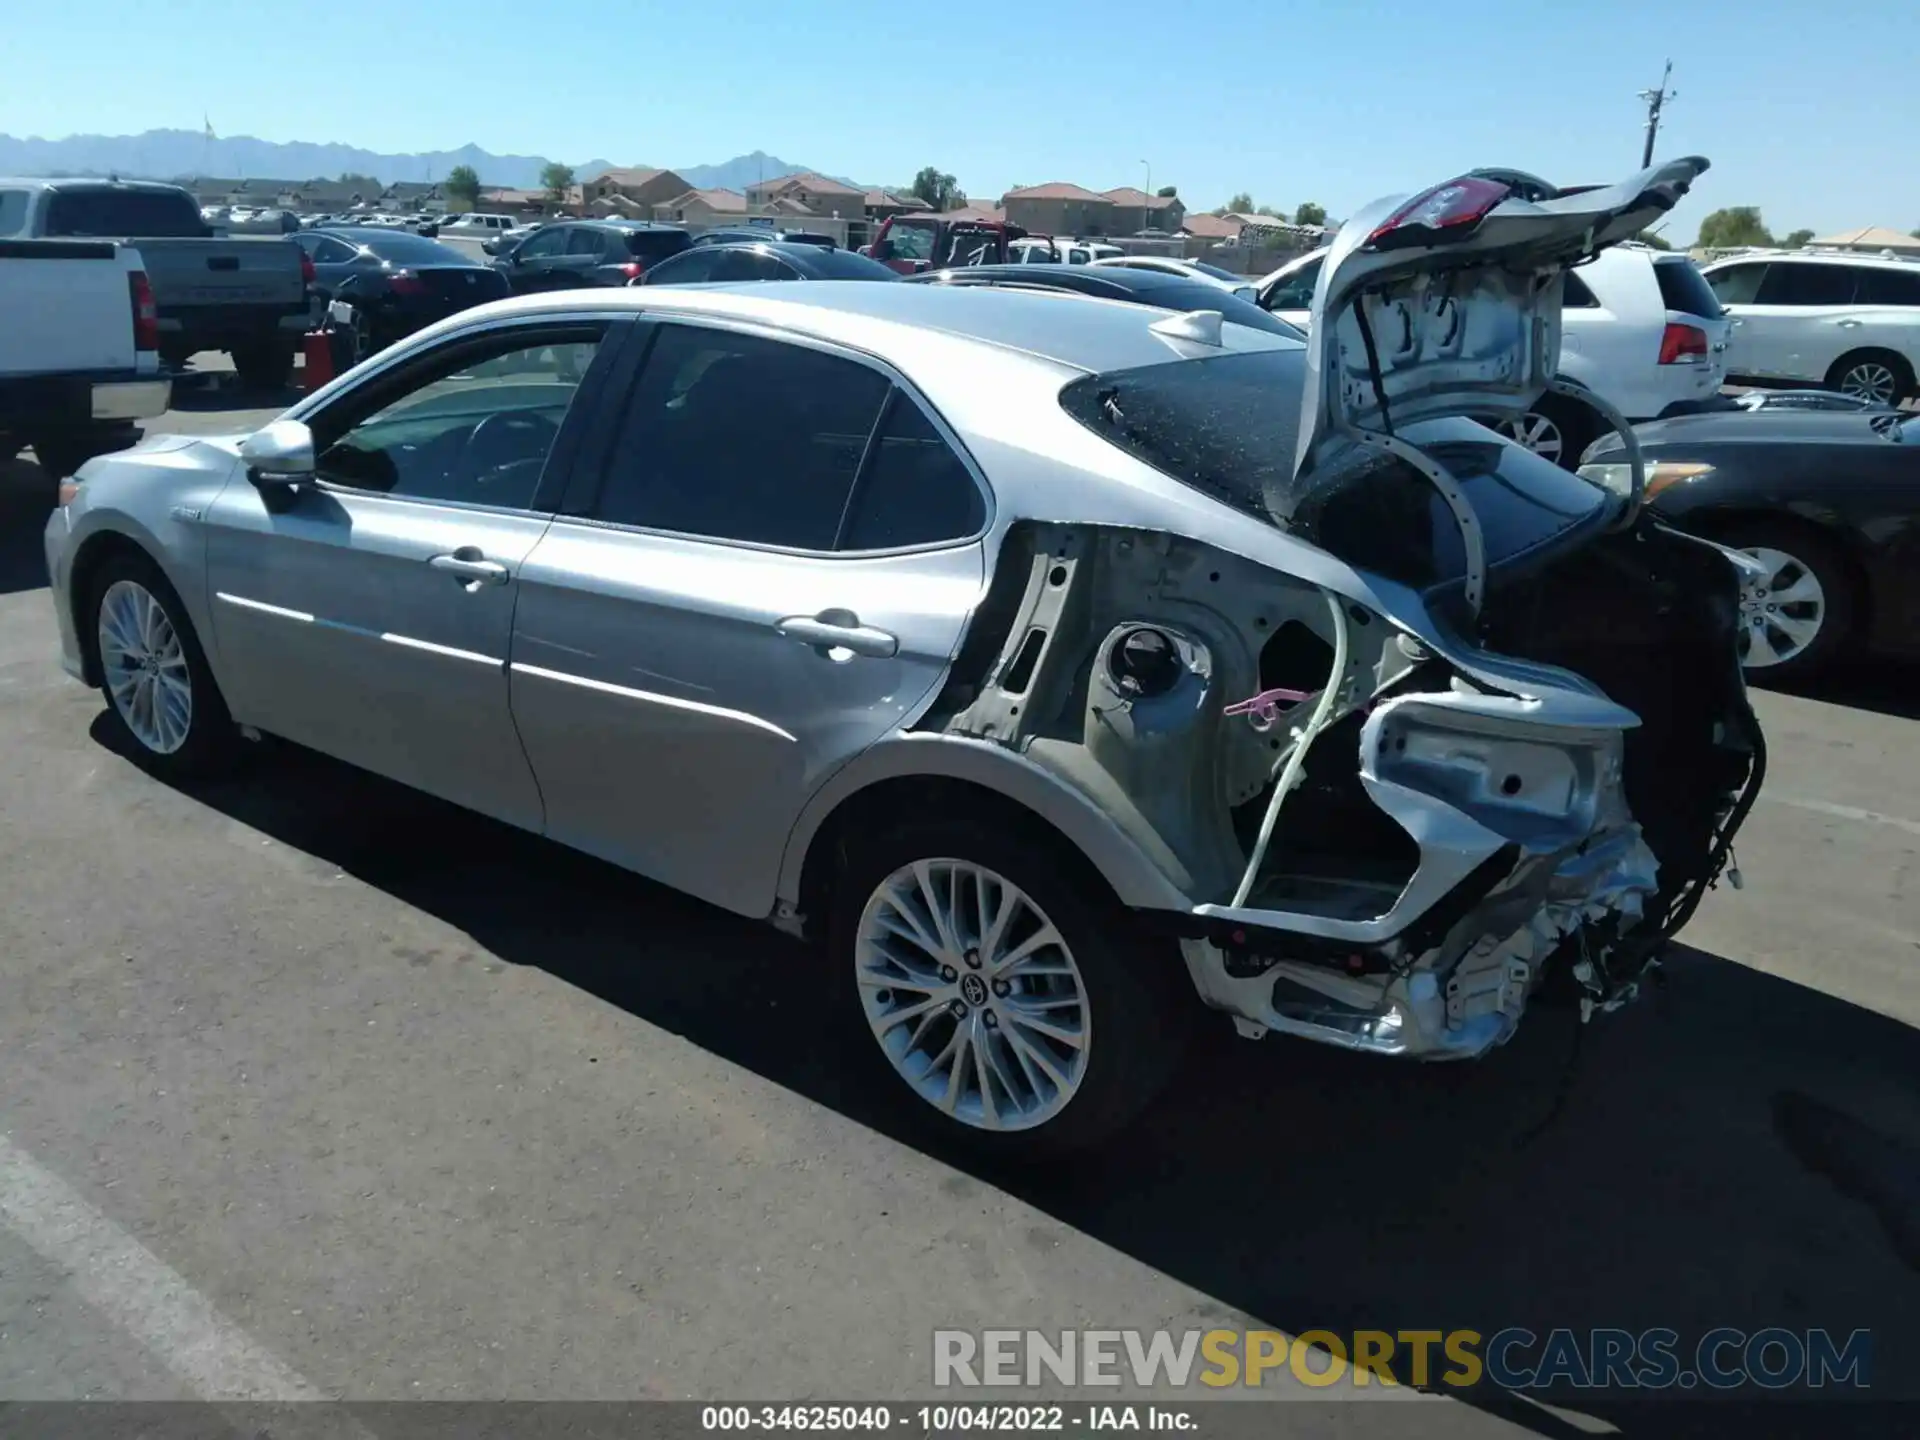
{"points": [[1827, 501], [1114, 282], [715, 263], [574, 253], [755, 235], [397, 283]]}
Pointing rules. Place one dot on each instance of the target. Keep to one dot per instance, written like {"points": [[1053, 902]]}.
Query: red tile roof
{"points": [[815, 184], [1128, 198], [1212, 227], [1054, 190], [730, 202]]}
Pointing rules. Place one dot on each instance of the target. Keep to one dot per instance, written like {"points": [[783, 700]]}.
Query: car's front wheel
{"points": [[1797, 616], [1880, 377], [1002, 988], [160, 692]]}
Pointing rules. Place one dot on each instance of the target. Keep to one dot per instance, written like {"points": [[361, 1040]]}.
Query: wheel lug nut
{"points": [[883, 997], [1002, 989], [958, 1009], [949, 974], [973, 959], [993, 1020]]}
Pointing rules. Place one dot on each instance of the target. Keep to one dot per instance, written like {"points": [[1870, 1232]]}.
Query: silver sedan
{"points": [[950, 627]]}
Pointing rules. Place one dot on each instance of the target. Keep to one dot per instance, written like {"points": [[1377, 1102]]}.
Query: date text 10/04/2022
{"points": [[947, 1418]]}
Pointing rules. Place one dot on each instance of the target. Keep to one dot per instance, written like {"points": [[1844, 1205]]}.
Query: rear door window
{"points": [[1737, 284], [914, 489], [1876, 287], [585, 241], [1807, 285], [740, 438], [1576, 296], [1685, 289]]}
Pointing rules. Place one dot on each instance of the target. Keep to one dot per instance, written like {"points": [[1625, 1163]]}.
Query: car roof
{"points": [[1815, 257], [1080, 332], [86, 182]]}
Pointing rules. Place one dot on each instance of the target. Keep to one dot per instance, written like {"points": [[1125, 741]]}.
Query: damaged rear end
{"points": [[1424, 725]]}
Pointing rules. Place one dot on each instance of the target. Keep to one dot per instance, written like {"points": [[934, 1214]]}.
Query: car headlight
{"points": [[1661, 476]]}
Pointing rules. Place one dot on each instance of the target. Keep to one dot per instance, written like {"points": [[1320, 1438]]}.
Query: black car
{"points": [[756, 235], [705, 264], [1116, 282], [576, 253], [396, 282], [1828, 501]]}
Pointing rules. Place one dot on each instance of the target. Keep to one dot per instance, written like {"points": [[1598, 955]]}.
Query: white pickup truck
{"points": [[79, 350]]}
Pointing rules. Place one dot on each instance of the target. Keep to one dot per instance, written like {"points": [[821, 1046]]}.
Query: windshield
{"points": [[1228, 427]]}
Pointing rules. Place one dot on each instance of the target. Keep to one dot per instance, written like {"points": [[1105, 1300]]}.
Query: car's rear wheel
{"points": [[1879, 376], [1556, 429], [1003, 990], [161, 696], [1798, 616]]}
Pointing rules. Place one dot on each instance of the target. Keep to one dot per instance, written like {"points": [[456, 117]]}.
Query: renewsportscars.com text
{"points": [[1513, 1359]]}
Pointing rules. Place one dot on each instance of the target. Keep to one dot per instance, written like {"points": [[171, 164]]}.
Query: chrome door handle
{"points": [[469, 564], [840, 630]]}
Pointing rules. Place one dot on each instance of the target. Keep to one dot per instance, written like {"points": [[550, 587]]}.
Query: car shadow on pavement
{"points": [[210, 391], [1887, 686], [1735, 1150], [26, 499]]}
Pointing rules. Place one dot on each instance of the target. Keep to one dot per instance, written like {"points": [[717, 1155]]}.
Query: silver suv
{"points": [[1848, 322]]}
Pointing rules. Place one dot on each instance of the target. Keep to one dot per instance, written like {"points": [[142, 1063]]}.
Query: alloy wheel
{"points": [[145, 667], [973, 994], [1781, 612], [1537, 433], [1870, 380]]}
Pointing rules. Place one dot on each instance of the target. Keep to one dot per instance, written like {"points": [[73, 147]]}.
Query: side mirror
{"points": [[280, 455], [880, 250]]}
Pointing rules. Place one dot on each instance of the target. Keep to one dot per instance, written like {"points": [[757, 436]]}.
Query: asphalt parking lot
{"points": [[313, 1086]]}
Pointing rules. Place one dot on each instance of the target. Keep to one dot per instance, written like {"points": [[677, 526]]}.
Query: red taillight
{"points": [[633, 270], [1456, 206], [1682, 345], [307, 274], [146, 315], [405, 282]]}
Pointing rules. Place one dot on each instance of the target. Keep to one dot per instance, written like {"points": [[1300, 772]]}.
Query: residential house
{"points": [[1214, 228], [632, 192], [1136, 210], [813, 194], [1870, 241], [884, 205], [1059, 208], [406, 197], [704, 207]]}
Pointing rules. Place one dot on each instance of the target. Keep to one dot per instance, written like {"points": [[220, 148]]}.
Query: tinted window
{"points": [[13, 211], [1217, 273], [914, 491], [475, 423], [1877, 287], [545, 242], [694, 267], [911, 242], [736, 437], [1683, 288], [652, 245], [414, 249], [846, 265], [750, 265], [1737, 284], [161, 214], [1295, 291], [584, 241], [1576, 295], [326, 250], [1807, 285]]}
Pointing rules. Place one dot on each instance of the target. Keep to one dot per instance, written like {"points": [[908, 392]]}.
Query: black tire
{"points": [[264, 367], [1858, 366], [1820, 558], [211, 739], [1140, 1003]]}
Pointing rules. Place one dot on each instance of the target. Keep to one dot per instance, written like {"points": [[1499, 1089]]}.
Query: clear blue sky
{"points": [[1811, 111]]}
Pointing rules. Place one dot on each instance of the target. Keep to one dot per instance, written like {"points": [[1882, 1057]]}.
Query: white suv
{"points": [[1639, 327], [477, 227], [1848, 322]]}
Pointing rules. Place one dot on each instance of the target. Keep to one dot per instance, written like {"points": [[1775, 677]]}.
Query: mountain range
{"points": [[173, 154]]}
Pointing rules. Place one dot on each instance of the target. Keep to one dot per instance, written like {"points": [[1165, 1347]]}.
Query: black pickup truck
{"points": [[247, 295]]}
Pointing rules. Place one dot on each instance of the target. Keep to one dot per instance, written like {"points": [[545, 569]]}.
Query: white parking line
{"points": [[1844, 812], [133, 1287]]}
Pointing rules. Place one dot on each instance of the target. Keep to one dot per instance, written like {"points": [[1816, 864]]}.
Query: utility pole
{"points": [[1656, 102]]}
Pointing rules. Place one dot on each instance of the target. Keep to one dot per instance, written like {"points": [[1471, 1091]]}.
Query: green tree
{"points": [[937, 190], [1797, 239], [1273, 210], [1240, 203], [368, 185], [1309, 213], [1732, 227], [462, 187], [1915, 232], [556, 179], [1167, 192]]}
